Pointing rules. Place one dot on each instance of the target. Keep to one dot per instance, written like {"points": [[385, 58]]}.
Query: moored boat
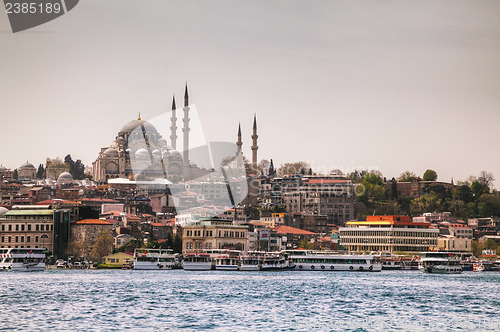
{"points": [[155, 259], [228, 261], [197, 261], [22, 259], [306, 260], [439, 262]]}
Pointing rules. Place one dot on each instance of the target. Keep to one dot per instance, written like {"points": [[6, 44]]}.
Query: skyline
{"points": [[396, 86]]}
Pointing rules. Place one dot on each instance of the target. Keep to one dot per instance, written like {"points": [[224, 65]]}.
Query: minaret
{"points": [[185, 129], [173, 126], [272, 172], [239, 143], [254, 141]]}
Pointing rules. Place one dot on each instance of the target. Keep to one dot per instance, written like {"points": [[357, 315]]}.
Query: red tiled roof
{"points": [[156, 224], [57, 201], [292, 230], [93, 222], [320, 181]]}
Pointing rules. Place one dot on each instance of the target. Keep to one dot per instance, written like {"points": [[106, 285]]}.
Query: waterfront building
{"points": [[388, 234], [119, 259], [214, 233], [85, 232], [454, 244], [37, 226]]}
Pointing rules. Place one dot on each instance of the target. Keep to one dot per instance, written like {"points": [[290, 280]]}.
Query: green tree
{"points": [[486, 178], [479, 188], [40, 173], [131, 245], [430, 175], [407, 176], [76, 168]]}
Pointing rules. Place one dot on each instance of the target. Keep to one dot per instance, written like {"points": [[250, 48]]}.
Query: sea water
{"points": [[96, 300]]}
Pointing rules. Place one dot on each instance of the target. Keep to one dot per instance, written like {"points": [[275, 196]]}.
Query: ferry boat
{"points": [[22, 259], [439, 262], [251, 262], [275, 261], [155, 259], [228, 261], [197, 261], [391, 263], [306, 260]]}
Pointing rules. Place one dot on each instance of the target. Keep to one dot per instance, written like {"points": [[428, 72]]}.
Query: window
{"points": [[22, 238], [10, 238], [17, 239], [17, 227], [3, 227], [10, 227], [22, 228], [29, 227], [28, 239], [37, 227], [36, 238]]}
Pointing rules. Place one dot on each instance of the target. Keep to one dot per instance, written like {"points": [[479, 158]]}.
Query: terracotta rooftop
{"points": [[292, 230], [93, 222]]}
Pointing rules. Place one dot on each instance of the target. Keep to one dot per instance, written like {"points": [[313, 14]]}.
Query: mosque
{"points": [[140, 153]]}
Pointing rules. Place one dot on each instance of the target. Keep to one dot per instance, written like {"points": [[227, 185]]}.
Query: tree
{"points": [[54, 167], [131, 245], [15, 175], [299, 167], [103, 246], [430, 175], [394, 189], [407, 176], [76, 248], [478, 188], [40, 173], [76, 168], [486, 178]]}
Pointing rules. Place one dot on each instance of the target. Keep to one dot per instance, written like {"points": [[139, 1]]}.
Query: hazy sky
{"points": [[396, 85]]}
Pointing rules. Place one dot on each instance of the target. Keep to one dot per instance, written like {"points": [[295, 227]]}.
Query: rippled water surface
{"points": [[279, 301]]}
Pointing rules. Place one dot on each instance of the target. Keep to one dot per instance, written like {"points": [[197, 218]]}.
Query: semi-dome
{"points": [[27, 165], [110, 152], [175, 154], [141, 153], [156, 154]]}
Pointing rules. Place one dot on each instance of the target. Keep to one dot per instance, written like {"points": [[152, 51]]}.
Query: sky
{"points": [[386, 85]]}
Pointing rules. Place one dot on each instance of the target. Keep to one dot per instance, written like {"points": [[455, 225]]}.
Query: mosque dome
{"points": [[129, 151], [3, 211], [156, 154], [2, 168], [27, 165], [142, 153], [132, 125], [110, 152], [174, 154], [65, 177]]}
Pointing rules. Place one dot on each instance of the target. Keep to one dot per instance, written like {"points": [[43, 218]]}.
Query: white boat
{"points": [[155, 259], [22, 259], [306, 260], [197, 261], [439, 262], [391, 263], [276, 261], [252, 261], [478, 267], [227, 262]]}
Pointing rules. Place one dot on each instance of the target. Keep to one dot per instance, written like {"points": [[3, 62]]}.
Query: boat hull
{"points": [[441, 269], [197, 266], [22, 267], [338, 267]]}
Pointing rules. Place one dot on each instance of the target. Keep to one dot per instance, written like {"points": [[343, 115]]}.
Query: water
{"points": [[278, 301]]}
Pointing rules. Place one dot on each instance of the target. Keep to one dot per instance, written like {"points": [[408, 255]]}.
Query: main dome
{"points": [[132, 125]]}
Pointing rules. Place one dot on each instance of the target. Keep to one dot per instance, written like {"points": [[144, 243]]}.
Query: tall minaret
{"points": [[254, 141], [239, 143], [173, 126], [185, 129]]}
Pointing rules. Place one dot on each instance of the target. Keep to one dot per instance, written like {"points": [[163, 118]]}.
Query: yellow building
{"points": [[214, 234], [454, 244], [388, 234], [119, 259]]}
